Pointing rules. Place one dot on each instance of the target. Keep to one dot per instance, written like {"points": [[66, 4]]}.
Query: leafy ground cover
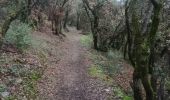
{"points": [[111, 68], [20, 71]]}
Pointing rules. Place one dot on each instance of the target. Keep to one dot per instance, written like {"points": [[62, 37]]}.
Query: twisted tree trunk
{"points": [[142, 52]]}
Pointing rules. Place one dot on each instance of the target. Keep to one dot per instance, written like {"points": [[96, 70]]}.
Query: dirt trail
{"points": [[67, 79]]}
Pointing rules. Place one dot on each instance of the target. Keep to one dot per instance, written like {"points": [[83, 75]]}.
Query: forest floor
{"points": [[75, 75], [63, 68], [68, 78]]}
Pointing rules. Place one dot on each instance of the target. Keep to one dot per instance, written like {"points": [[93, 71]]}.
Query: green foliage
{"points": [[167, 84], [3, 70], [11, 98], [106, 66], [120, 94], [86, 40], [2, 88], [114, 54], [127, 98], [19, 35], [96, 71], [30, 84], [15, 69], [109, 63]]}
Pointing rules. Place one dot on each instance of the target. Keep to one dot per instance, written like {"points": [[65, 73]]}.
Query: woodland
{"points": [[84, 49]]}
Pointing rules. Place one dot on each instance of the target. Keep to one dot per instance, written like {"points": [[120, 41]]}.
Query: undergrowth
{"points": [[30, 84], [109, 63], [19, 72], [19, 34], [105, 66], [86, 40]]}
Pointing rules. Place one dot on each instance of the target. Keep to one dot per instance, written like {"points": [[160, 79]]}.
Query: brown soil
{"points": [[68, 79]]}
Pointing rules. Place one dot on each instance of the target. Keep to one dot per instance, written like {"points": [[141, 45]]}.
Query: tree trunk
{"points": [[66, 20], [52, 26], [60, 27], [7, 23], [154, 84], [137, 86], [56, 25], [56, 32], [95, 29], [78, 22], [161, 90], [95, 41], [150, 95]]}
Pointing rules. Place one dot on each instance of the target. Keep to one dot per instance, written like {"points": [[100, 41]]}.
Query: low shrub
{"points": [[29, 84], [18, 35], [114, 54], [86, 40]]}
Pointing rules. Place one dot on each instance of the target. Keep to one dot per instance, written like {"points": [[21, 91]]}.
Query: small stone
{"points": [[18, 81], [24, 98], [107, 90]]}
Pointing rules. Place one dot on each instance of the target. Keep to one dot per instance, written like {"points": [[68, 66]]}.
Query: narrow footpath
{"points": [[68, 79]]}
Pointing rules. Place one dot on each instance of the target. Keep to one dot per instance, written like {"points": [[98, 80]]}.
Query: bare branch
{"points": [[65, 1], [87, 5], [88, 14]]}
